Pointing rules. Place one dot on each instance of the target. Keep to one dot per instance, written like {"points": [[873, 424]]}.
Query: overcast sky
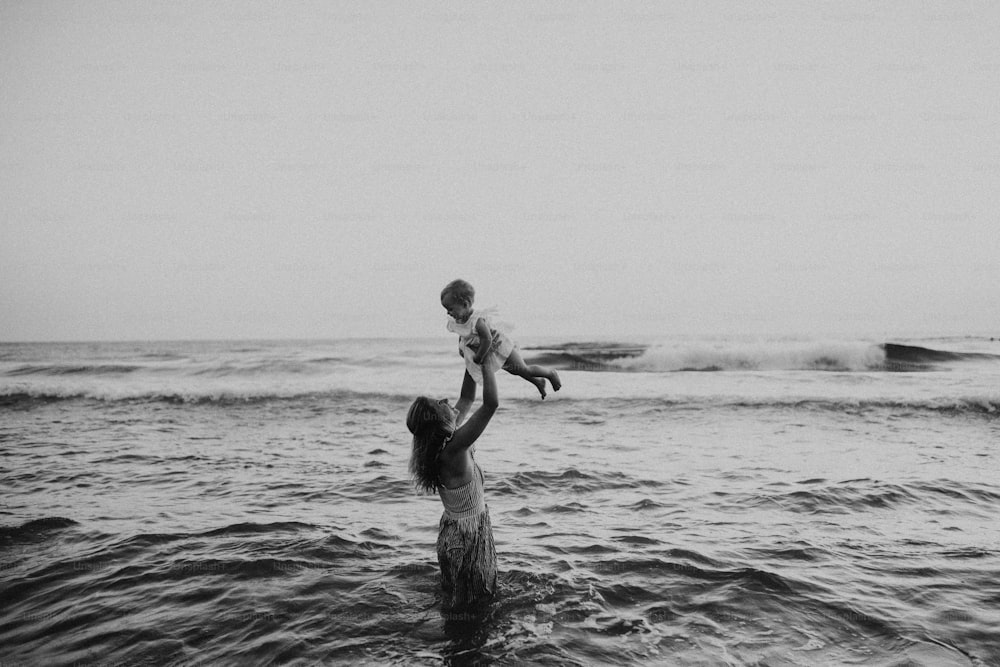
{"points": [[292, 169]]}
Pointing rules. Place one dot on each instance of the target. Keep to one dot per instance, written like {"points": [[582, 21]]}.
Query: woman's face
{"points": [[446, 413]]}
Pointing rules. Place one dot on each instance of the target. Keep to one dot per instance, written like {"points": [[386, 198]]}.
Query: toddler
{"points": [[483, 342]]}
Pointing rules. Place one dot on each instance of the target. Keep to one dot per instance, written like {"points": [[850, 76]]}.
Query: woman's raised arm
{"points": [[467, 434], [465, 400]]}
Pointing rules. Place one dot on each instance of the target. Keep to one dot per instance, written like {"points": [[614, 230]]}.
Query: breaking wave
{"points": [[838, 356]]}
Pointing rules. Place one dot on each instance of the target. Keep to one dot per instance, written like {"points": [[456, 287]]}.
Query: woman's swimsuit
{"points": [[465, 548]]}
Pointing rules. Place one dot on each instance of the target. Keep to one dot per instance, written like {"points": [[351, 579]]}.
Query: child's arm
{"points": [[485, 341], [466, 399]]}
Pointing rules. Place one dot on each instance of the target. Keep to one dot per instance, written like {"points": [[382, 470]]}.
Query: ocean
{"points": [[681, 501]]}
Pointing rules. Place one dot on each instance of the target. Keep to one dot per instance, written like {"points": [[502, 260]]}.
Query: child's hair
{"points": [[460, 289], [428, 437]]}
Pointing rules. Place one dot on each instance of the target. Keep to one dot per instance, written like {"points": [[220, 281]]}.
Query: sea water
{"points": [[681, 501]]}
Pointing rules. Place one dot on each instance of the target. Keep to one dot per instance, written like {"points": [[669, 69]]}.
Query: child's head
{"points": [[430, 422], [457, 298]]}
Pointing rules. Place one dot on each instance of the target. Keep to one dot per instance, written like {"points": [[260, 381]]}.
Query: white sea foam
{"points": [[762, 356]]}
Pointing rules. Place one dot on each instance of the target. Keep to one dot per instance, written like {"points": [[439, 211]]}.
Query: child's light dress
{"points": [[468, 342]]}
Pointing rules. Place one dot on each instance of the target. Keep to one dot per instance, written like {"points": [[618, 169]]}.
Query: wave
{"points": [[902, 357], [521, 483], [970, 404], [584, 356], [818, 496], [235, 368], [34, 528], [296, 364], [987, 405], [72, 369], [265, 368], [19, 398], [839, 356]]}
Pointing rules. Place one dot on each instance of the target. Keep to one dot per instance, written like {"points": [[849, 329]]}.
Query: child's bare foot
{"points": [[539, 385], [554, 379]]}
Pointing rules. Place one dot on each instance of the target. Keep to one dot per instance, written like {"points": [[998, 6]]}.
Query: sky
{"points": [[191, 170]]}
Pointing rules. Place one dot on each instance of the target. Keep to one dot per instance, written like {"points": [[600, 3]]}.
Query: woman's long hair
{"points": [[429, 435]]}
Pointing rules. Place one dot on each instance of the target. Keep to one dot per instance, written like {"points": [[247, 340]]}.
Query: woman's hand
{"points": [[494, 342]]}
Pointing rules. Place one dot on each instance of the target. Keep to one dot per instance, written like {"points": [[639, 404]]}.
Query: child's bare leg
{"points": [[536, 375], [515, 366]]}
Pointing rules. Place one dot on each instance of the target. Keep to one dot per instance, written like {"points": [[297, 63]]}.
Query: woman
{"points": [[442, 461]]}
